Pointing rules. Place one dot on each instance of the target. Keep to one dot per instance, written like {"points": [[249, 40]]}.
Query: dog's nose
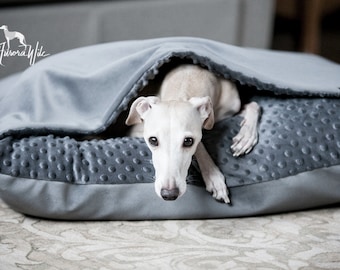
{"points": [[169, 194]]}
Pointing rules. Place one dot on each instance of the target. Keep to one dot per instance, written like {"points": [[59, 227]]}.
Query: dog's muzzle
{"points": [[170, 194]]}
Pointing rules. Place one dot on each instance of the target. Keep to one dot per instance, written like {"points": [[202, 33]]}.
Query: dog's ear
{"points": [[138, 108], [205, 108]]}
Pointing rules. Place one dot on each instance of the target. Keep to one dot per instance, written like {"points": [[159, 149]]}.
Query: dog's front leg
{"points": [[213, 178], [247, 137]]}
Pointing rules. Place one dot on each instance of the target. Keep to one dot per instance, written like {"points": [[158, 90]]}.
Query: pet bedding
{"points": [[46, 171]]}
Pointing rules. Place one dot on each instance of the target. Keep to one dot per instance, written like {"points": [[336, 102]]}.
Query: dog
{"points": [[190, 98], [9, 35]]}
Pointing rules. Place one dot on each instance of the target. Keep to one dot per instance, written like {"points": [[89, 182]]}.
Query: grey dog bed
{"points": [[47, 171]]}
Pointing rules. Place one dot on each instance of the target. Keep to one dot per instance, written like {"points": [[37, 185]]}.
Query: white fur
{"points": [[190, 98]]}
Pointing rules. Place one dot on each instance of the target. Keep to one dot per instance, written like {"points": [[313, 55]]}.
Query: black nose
{"points": [[169, 194]]}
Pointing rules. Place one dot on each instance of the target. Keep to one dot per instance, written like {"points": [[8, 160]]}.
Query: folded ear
{"points": [[205, 108], [138, 108]]}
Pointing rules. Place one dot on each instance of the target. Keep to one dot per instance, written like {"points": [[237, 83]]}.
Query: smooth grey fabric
{"points": [[94, 84], [57, 200], [45, 171]]}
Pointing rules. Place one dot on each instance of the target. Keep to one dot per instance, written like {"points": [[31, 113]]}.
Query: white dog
{"points": [[190, 98], [9, 35]]}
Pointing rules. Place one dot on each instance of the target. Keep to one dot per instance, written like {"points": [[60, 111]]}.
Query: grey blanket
{"points": [[46, 172]]}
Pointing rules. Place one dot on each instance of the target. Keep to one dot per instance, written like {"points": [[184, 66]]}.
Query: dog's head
{"points": [[172, 131]]}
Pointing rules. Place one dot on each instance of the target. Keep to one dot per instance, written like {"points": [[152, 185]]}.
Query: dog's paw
{"points": [[247, 137], [245, 140], [218, 189]]}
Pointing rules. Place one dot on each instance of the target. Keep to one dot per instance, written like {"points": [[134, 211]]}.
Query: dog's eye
{"points": [[153, 141], [188, 142]]}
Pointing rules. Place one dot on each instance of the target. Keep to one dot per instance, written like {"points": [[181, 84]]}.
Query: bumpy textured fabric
{"points": [[293, 138], [45, 171]]}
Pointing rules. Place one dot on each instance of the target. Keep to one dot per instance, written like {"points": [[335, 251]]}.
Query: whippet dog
{"points": [[9, 35], [190, 98]]}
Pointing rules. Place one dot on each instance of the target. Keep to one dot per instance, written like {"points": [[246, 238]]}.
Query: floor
{"points": [[301, 240]]}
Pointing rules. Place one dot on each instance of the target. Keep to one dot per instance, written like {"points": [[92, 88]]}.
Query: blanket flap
{"points": [[82, 91]]}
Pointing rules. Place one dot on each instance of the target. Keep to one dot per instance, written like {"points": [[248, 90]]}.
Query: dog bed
{"points": [[47, 171]]}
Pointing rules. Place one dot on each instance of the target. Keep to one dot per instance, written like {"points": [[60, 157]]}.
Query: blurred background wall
{"points": [[58, 25], [308, 25]]}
